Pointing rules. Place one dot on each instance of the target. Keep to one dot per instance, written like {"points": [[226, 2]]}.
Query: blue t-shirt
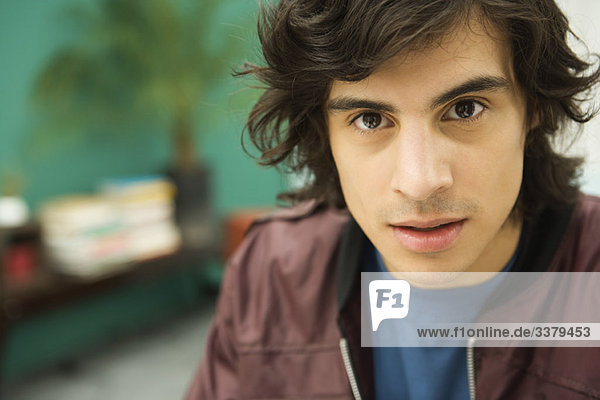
{"points": [[418, 372]]}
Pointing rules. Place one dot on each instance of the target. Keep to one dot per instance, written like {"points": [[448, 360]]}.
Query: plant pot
{"points": [[193, 206]]}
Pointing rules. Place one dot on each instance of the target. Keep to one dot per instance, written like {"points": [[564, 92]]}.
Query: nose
{"points": [[421, 162]]}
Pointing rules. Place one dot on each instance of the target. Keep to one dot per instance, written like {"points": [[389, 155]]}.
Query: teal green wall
{"points": [[47, 166]]}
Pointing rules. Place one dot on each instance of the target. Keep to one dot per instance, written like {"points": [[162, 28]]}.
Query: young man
{"points": [[426, 127]]}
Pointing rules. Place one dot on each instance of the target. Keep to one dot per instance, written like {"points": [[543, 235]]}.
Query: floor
{"points": [[156, 365]]}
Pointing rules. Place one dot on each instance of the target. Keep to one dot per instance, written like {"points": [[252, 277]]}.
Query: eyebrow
{"points": [[345, 103], [478, 84]]}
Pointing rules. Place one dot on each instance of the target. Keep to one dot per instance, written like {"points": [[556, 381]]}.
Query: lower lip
{"points": [[432, 241]]}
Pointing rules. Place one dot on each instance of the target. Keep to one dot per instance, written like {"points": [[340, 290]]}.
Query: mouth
{"points": [[414, 228], [428, 236]]}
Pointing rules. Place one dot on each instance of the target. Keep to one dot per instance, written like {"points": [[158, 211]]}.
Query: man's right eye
{"points": [[370, 121]]}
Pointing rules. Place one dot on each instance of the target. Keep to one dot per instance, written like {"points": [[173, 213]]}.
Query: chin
{"points": [[438, 266], [430, 279]]}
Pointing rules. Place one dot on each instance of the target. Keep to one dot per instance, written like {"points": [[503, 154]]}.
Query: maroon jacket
{"points": [[287, 324]]}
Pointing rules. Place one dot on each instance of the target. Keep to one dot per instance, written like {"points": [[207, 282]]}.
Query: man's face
{"points": [[429, 150]]}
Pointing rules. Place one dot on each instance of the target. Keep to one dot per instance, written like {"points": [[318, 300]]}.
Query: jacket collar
{"points": [[541, 237]]}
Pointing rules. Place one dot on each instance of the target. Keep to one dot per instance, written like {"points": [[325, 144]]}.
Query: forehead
{"points": [[469, 50]]}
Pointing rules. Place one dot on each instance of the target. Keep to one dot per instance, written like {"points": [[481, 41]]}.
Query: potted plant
{"points": [[143, 59]]}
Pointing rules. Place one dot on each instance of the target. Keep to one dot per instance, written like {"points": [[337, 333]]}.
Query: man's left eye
{"points": [[464, 109]]}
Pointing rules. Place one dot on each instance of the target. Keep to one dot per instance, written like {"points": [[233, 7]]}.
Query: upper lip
{"points": [[431, 223]]}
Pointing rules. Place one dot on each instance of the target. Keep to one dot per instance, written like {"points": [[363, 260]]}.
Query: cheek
{"points": [[350, 171], [360, 176], [509, 159], [496, 174]]}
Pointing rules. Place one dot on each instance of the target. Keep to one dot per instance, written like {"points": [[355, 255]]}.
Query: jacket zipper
{"points": [[471, 368], [354, 383], [349, 369]]}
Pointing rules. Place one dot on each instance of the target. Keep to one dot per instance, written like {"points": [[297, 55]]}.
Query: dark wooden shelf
{"points": [[47, 289]]}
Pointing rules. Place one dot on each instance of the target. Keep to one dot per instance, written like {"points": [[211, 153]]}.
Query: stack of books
{"points": [[146, 209], [128, 220]]}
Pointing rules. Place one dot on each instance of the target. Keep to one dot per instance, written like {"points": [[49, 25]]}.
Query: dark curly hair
{"points": [[307, 44]]}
